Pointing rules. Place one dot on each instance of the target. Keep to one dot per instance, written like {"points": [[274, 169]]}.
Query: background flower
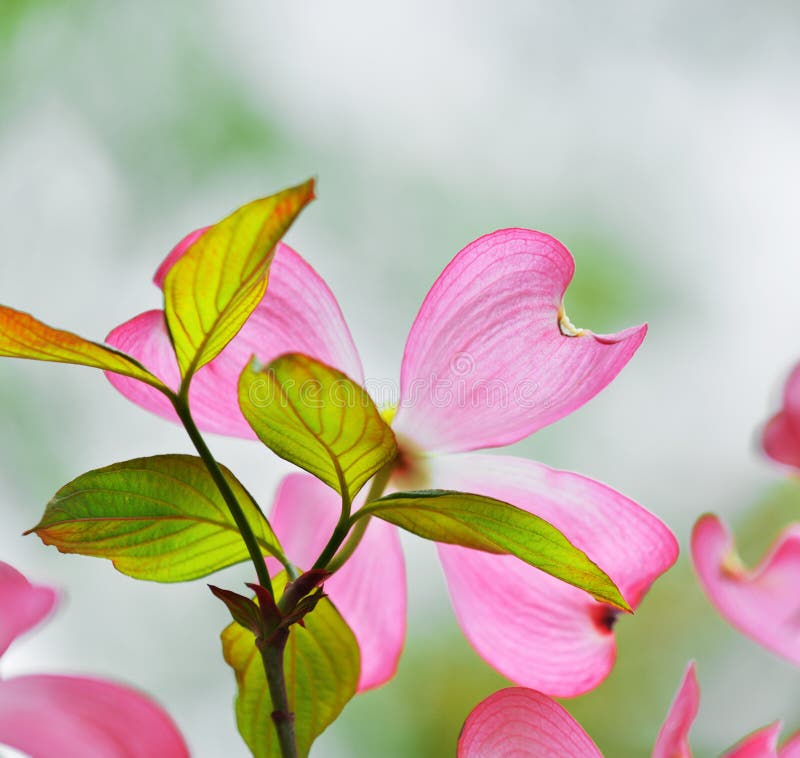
{"points": [[762, 602], [781, 436], [74, 717], [518, 721]]}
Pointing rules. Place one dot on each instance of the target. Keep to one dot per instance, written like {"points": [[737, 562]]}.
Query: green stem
{"points": [[379, 481], [272, 651], [329, 558], [341, 530], [353, 541], [182, 409], [337, 538], [282, 716]]}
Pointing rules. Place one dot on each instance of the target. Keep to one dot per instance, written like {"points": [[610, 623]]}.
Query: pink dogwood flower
{"points": [[763, 603], [490, 359], [522, 722], [68, 716], [781, 436]]}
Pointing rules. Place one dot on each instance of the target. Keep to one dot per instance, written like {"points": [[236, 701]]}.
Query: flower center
{"points": [[410, 470], [568, 329]]}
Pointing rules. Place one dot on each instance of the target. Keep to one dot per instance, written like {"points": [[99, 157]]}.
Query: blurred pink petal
{"points": [[74, 717], [781, 438], [763, 603], [790, 748], [369, 590], [544, 633], [145, 337], [673, 738], [22, 604], [518, 722], [487, 361], [176, 253], [297, 314], [760, 744]]}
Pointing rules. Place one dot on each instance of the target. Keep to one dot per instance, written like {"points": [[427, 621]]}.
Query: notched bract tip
{"points": [[732, 566], [568, 329]]}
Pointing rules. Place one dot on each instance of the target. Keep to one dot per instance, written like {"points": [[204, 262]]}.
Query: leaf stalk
{"points": [[181, 406], [332, 560]]}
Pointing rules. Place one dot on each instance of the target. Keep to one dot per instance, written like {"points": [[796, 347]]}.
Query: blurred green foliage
{"points": [[27, 447], [610, 290], [420, 712]]}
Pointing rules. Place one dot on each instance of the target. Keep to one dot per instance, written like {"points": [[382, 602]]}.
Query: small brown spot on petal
{"points": [[605, 617]]}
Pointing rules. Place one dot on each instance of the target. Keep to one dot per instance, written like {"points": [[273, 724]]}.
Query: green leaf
{"points": [[213, 288], [322, 668], [482, 523], [23, 336], [159, 518], [315, 417]]}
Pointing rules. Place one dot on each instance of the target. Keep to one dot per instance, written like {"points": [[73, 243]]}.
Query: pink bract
{"points": [[72, 717], [763, 602], [791, 748], [781, 437], [673, 737], [299, 314], [761, 744], [22, 605], [518, 722], [490, 358], [544, 631], [369, 590], [493, 333]]}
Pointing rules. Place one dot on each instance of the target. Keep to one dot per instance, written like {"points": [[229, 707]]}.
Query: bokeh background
{"points": [[658, 141]]}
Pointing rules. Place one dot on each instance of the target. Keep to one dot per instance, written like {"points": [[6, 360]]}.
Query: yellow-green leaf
{"points": [[482, 523], [159, 518], [315, 417], [322, 668], [210, 292], [23, 336]]}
